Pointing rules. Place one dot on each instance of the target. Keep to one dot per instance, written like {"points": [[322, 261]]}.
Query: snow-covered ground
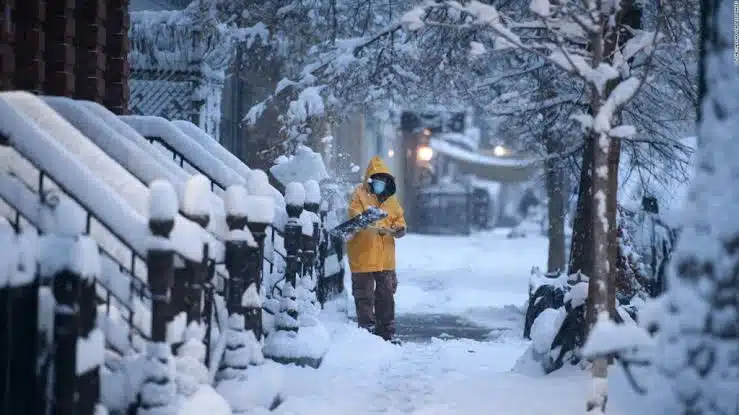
{"points": [[483, 278]]}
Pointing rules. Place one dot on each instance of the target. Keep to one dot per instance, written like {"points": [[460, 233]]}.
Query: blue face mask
{"points": [[378, 186]]}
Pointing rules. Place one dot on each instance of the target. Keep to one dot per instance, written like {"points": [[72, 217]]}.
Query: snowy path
{"points": [[458, 306]]}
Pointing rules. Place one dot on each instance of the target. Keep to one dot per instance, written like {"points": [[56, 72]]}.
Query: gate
{"points": [[444, 213], [480, 206]]}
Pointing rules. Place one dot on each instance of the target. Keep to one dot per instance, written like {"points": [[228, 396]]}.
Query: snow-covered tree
{"points": [[587, 40], [699, 331]]}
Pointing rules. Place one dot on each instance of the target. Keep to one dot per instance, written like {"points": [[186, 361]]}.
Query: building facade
{"points": [[69, 48]]}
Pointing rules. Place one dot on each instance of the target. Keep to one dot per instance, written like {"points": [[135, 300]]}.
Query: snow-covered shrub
{"points": [[190, 362], [242, 378], [558, 333], [646, 243], [158, 393], [259, 392], [545, 292], [242, 350]]}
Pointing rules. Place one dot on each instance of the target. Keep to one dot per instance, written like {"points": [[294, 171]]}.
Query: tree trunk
{"points": [[556, 208], [581, 259], [598, 284], [630, 16], [614, 157]]}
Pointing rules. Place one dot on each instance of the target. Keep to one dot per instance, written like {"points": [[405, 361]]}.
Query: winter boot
{"points": [[369, 328]]}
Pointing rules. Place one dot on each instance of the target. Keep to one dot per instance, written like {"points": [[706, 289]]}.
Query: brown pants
{"points": [[373, 295]]}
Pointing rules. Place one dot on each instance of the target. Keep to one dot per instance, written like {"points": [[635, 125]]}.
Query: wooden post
{"points": [[91, 339], [295, 197], [322, 282], [158, 389], [197, 209], [236, 257], [66, 333], [19, 352], [309, 245], [160, 265], [252, 301]]}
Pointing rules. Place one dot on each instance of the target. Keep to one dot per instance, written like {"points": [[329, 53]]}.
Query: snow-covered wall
{"points": [[179, 60]]}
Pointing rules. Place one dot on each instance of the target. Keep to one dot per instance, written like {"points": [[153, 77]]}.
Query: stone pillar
{"points": [[7, 54], [90, 51], [117, 47], [60, 51], [29, 45]]}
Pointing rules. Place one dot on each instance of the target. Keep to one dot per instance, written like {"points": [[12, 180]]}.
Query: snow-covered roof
{"points": [[501, 169], [468, 140]]}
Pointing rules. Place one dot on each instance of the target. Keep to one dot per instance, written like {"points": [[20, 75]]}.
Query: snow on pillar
{"points": [[163, 208], [238, 243], [295, 341], [307, 298], [322, 283], [72, 262], [242, 298], [194, 275], [295, 199], [158, 390]]}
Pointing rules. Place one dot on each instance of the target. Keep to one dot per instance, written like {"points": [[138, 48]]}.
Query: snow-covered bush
{"points": [[555, 317], [242, 378]]}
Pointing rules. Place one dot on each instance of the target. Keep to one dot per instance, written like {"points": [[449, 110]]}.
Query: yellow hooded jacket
{"points": [[368, 251]]}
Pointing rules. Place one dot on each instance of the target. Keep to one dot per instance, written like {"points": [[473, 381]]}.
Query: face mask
{"points": [[378, 186]]}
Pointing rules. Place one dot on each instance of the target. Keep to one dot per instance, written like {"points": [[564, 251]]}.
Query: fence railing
{"points": [[160, 288]]}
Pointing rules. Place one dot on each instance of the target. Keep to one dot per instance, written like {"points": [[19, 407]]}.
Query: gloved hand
{"points": [[380, 231], [399, 232]]}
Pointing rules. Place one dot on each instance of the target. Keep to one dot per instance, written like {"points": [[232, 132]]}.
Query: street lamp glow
{"points": [[425, 153], [391, 153], [500, 151], [426, 132]]}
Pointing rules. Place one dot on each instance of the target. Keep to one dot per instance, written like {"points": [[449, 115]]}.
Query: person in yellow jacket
{"points": [[371, 251]]}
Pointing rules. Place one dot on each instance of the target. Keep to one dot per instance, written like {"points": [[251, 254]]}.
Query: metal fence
{"points": [[443, 212]]}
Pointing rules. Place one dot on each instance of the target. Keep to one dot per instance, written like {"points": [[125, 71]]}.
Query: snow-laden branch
{"points": [[554, 20], [571, 99], [310, 85], [187, 40]]}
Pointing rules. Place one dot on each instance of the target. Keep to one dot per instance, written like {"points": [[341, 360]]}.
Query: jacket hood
{"points": [[377, 167]]}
